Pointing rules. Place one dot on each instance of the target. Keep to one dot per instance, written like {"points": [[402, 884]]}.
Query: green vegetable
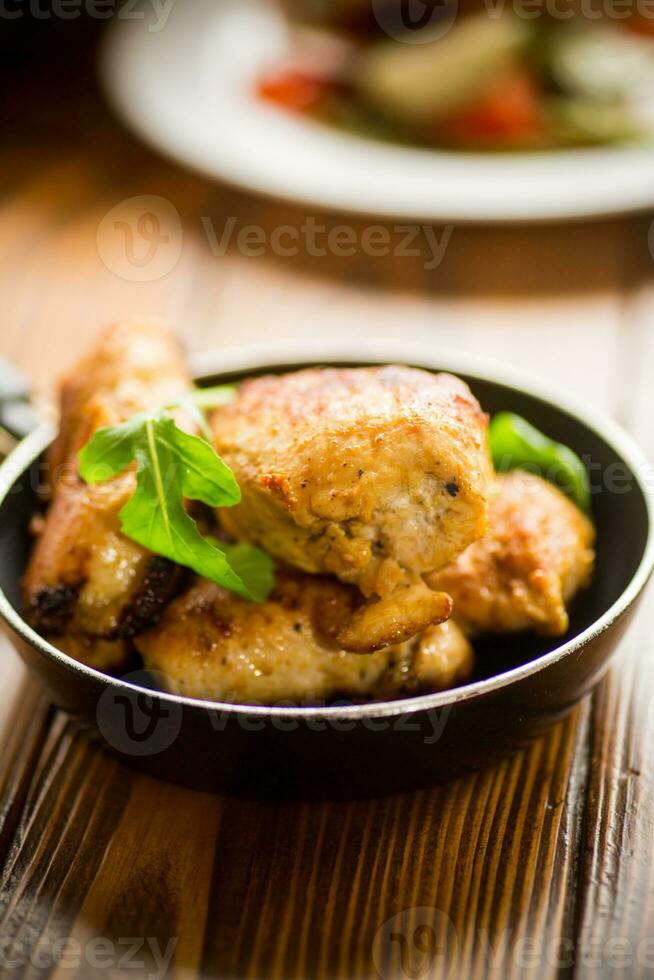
{"points": [[173, 465], [587, 122], [197, 401], [515, 444], [213, 397]]}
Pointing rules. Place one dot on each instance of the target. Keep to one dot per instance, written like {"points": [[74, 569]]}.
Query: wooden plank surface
{"points": [[528, 869]]}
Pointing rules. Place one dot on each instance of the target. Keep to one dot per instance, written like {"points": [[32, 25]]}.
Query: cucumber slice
{"points": [[588, 122], [602, 63]]}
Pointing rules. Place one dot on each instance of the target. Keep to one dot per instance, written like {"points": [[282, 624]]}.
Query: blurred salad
{"points": [[486, 79]]}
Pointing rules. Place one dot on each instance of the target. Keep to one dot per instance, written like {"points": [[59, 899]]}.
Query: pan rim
{"points": [[294, 354]]}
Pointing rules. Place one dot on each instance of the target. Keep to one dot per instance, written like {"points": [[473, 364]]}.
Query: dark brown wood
{"points": [[285, 890], [529, 861]]}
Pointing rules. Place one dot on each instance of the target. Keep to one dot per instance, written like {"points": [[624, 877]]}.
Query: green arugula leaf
{"points": [[196, 402], [173, 465], [204, 475], [245, 560], [204, 398], [197, 416], [214, 397], [111, 450], [516, 444]]}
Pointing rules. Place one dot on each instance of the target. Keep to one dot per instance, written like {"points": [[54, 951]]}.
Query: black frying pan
{"points": [[522, 684]]}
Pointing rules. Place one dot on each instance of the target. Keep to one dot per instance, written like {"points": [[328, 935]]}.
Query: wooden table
{"points": [[543, 863]]}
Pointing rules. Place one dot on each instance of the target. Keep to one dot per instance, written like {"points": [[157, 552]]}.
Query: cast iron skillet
{"points": [[522, 684]]}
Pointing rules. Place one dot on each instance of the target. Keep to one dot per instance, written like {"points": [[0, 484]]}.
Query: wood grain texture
{"points": [[517, 870], [286, 890]]}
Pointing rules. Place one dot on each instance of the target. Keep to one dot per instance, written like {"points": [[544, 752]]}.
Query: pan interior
{"points": [[619, 511]]}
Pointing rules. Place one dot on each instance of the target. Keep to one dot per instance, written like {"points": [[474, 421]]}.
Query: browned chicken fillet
{"points": [[109, 656], [211, 644], [375, 475], [537, 554], [86, 580]]}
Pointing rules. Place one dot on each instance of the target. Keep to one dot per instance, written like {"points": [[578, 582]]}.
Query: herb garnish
{"points": [[171, 466], [516, 444]]}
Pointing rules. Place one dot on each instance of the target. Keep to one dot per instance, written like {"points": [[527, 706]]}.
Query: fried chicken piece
{"points": [[109, 656], [85, 579], [213, 645], [535, 558], [375, 475]]}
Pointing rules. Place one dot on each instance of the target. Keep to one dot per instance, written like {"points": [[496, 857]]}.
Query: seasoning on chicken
{"points": [[375, 475], [522, 575], [213, 645], [86, 580]]}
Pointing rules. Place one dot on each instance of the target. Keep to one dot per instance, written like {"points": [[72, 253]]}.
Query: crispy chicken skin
{"points": [[375, 475], [536, 556], [213, 645], [86, 580]]}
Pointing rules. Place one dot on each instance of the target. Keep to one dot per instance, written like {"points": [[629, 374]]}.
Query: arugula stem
{"points": [[158, 481]]}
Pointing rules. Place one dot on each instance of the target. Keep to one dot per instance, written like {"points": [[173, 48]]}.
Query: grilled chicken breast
{"points": [[213, 645], [375, 475], [536, 556], [86, 580]]}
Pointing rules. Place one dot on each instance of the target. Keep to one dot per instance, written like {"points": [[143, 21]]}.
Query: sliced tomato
{"points": [[509, 112], [293, 89]]}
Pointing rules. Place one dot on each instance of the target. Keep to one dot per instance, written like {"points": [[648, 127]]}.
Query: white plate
{"points": [[187, 88]]}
